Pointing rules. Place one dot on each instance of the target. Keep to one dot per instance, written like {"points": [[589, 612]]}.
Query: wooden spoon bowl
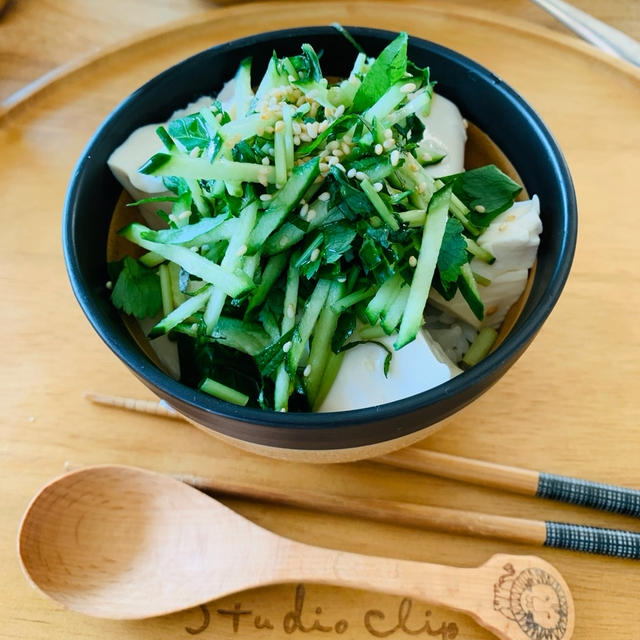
{"points": [[124, 543]]}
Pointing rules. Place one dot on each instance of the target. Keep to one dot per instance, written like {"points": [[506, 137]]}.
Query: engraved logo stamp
{"points": [[535, 600]]}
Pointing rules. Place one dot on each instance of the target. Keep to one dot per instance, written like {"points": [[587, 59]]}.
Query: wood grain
{"points": [[568, 406], [102, 540]]}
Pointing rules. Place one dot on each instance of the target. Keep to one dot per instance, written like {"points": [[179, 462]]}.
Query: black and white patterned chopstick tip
{"points": [[608, 542], [596, 495]]}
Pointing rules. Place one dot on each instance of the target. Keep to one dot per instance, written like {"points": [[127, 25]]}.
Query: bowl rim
{"points": [[509, 350]]}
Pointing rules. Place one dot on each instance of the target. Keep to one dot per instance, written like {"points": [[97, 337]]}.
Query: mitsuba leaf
{"points": [[411, 129], [453, 254], [137, 290], [486, 188], [190, 131], [338, 239], [389, 68], [176, 184], [344, 329], [269, 359], [350, 200]]}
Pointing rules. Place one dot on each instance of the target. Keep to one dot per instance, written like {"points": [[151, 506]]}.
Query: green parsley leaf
{"points": [[453, 254], [388, 69], [137, 290], [486, 188]]}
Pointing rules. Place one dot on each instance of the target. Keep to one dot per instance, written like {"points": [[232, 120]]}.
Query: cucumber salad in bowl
{"points": [[309, 243]]}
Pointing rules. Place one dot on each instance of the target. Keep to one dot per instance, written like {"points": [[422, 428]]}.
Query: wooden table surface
{"points": [[569, 405]]}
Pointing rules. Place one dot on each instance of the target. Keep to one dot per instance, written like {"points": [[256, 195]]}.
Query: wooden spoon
{"points": [[124, 543]]}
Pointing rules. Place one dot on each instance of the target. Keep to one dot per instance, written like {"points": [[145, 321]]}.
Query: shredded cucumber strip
{"points": [[219, 169], [231, 261], [290, 308], [423, 275], [184, 311], [321, 341], [232, 283], [301, 335]]}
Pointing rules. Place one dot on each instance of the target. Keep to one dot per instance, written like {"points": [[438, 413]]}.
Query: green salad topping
{"points": [[302, 217]]}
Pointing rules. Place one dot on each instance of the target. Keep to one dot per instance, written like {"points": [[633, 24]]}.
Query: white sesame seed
{"points": [[296, 140], [395, 157], [283, 410], [303, 210], [361, 175], [184, 215], [479, 208], [351, 173], [32, 419], [378, 149], [290, 311], [325, 195], [305, 137], [315, 254], [297, 129], [194, 249], [311, 215], [408, 88], [307, 371], [339, 111], [389, 143], [388, 133], [194, 326], [324, 167], [279, 125], [378, 186], [347, 139], [109, 284], [265, 161], [286, 347], [334, 144], [265, 197], [291, 78], [413, 261], [337, 153], [340, 166], [312, 129], [332, 160], [346, 149], [242, 249], [323, 125]]}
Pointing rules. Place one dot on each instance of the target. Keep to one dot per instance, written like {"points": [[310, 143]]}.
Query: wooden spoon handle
{"points": [[542, 598]]}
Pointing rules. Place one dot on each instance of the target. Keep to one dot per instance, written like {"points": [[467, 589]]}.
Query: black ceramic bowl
{"points": [[483, 99]]}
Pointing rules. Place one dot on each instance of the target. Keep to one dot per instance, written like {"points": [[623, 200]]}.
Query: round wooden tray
{"points": [[568, 406]]}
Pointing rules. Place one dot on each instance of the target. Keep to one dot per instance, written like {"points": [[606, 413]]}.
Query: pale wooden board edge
{"points": [[35, 89]]}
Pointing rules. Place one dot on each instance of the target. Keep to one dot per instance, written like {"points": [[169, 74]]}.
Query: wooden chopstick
{"points": [[611, 542], [595, 495]]}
